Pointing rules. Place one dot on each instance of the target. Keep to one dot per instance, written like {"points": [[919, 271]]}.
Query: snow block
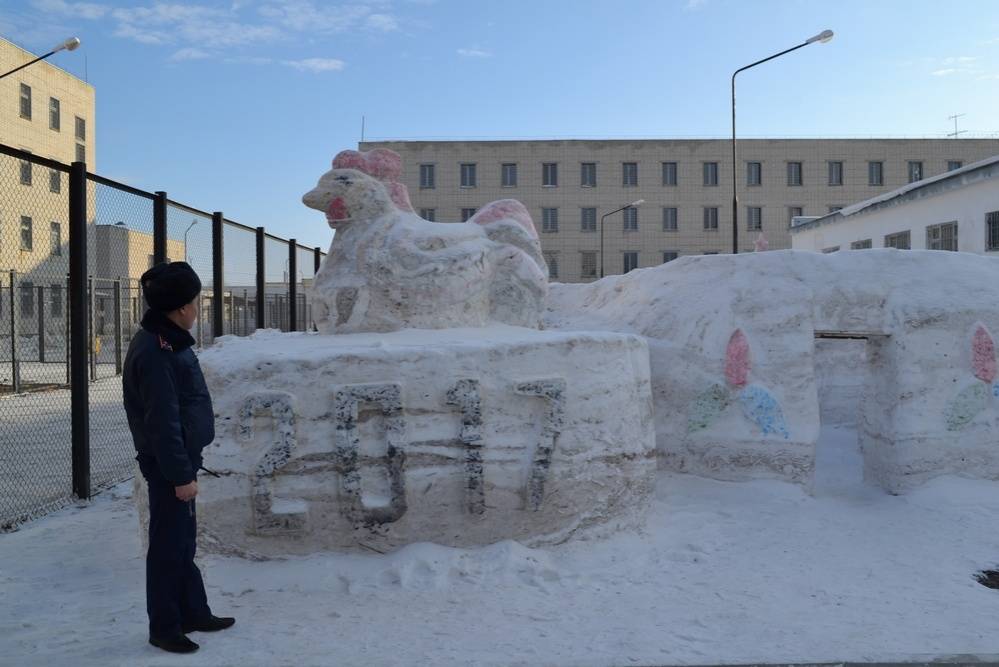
{"points": [[461, 437]]}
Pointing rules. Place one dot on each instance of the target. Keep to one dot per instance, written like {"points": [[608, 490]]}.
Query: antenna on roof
{"points": [[362, 129], [954, 118]]}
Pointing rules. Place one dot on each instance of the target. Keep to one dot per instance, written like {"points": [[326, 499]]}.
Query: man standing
{"points": [[171, 419]]}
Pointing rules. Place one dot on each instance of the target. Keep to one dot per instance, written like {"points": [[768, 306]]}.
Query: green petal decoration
{"points": [[966, 406], [706, 407]]}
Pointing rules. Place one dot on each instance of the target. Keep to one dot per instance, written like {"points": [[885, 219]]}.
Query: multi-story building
{"points": [[956, 210], [568, 186]]}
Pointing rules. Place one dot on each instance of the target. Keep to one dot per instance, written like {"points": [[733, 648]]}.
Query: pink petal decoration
{"points": [[737, 359], [983, 355]]}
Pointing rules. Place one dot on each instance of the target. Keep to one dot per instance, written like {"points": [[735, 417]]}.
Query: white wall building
{"points": [[956, 210]]}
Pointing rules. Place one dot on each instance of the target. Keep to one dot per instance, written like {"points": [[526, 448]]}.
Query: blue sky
{"points": [[239, 106]]}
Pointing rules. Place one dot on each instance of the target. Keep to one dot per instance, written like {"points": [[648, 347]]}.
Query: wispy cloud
{"points": [[473, 53], [316, 64], [189, 53], [694, 4], [954, 65], [202, 30], [945, 72]]}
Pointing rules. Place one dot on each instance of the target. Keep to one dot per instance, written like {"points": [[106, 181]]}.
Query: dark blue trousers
{"points": [[175, 591]]}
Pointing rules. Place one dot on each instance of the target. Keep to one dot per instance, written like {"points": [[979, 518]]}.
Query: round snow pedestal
{"points": [[460, 436]]}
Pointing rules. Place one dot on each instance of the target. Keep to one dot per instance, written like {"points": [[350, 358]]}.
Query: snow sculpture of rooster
{"points": [[389, 269]]}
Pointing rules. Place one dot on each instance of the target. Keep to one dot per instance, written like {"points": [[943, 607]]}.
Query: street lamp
{"points": [[70, 44], [194, 221], [823, 37], [634, 204]]}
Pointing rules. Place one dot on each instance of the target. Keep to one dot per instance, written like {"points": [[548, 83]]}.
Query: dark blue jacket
{"points": [[166, 399]]}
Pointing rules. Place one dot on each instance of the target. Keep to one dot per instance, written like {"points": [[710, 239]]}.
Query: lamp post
{"points": [[823, 37], [70, 44], [194, 221], [634, 204]]}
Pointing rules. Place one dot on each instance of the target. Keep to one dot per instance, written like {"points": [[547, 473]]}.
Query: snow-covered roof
{"points": [[972, 173]]}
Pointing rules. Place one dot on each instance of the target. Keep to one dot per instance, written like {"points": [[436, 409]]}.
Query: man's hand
{"points": [[186, 492]]}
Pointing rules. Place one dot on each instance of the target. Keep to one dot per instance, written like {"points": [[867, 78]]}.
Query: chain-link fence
{"points": [[60, 438]]}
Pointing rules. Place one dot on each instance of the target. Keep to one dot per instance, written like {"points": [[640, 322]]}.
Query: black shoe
{"points": [[177, 644], [211, 624]]}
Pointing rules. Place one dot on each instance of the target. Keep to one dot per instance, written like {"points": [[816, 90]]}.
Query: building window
{"points": [[833, 249], [549, 220], [55, 239], [467, 213], [754, 218], [710, 173], [427, 177], [27, 299], [629, 174], [588, 174], [551, 259], [429, 214], [670, 219], [81, 153], [669, 174], [942, 237], [711, 217], [630, 261], [899, 240], [588, 265], [915, 171], [670, 255], [55, 300], [26, 239], [468, 175], [54, 114], [25, 172], [835, 173], [953, 165], [992, 230], [754, 173], [55, 180], [549, 175], [588, 220], [25, 101], [861, 245], [794, 173], [81, 129], [630, 219], [508, 175], [710, 252], [794, 212], [875, 173]]}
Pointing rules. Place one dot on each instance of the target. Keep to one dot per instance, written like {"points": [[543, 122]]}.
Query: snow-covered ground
{"points": [[725, 572]]}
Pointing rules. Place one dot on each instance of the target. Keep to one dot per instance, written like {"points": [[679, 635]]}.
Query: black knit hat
{"points": [[167, 287]]}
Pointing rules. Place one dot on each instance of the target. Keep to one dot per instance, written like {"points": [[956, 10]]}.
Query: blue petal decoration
{"points": [[763, 409]]}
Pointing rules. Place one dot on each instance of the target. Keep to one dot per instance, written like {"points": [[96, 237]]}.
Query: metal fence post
{"points": [[80, 388], [90, 328], [41, 324], [292, 286], [218, 275], [246, 313], [15, 331], [317, 259], [65, 316], [261, 277], [117, 326], [159, 228]]}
